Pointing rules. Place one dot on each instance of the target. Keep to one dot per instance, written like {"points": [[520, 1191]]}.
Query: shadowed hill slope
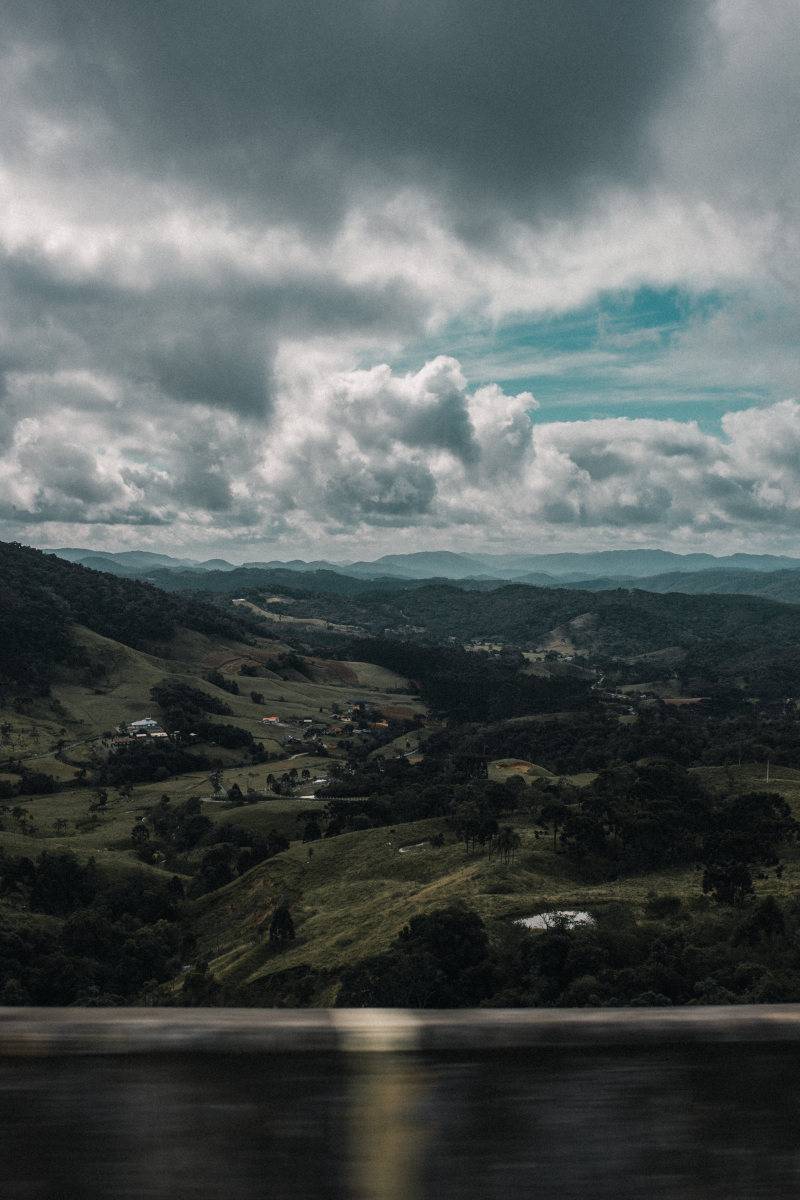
{"points": [[42, 596]]}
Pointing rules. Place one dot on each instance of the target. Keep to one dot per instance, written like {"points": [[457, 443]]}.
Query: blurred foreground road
{"points": [[222, 1104]]}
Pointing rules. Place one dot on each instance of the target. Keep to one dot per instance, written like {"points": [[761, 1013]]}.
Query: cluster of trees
{"points": [[176, 828], [219, 680], [596, 740], [147, 762], [472, 685], [185, 709], [231, 737], [182, 705], [113, 939], [234, 851], [677, 955], [30, 783], [394, 793], [747, 832], [170, 831], [655, 815], [768, 671], [437, 961], [34, 636]]}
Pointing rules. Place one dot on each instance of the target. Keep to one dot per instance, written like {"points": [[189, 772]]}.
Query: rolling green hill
{"points": [[353, 895]]}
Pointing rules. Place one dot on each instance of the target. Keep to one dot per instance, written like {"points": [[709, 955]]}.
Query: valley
{"points": [[360, 804]]}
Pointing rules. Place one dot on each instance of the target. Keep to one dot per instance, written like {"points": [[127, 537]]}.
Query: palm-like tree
{"points": [[507, 843]]}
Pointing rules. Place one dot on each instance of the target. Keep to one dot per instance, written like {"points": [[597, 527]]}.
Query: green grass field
{"points": [[350, 895], [76, 716], [510, 768]]}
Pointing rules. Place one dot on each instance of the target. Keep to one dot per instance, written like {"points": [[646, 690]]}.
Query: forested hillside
{"points": [[616, 622], [41, 596], [623, 622]]}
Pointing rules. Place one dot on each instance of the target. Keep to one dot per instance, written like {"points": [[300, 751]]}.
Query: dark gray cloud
{"points": [[59, 511], [287, 106], [381, 495], [444, 425], [209, 341], [206, 490], [212, 363], [71, 473]]}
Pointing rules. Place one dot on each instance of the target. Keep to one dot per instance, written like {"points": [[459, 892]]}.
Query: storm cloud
{"points": [[285, 108]]}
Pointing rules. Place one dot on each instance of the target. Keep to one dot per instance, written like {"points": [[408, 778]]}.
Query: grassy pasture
{"points": [[667, 689], [352, 894], [122, 691], [417, 738], [582, 779], [72, 821], [280, 814], [304, 698], [78, 715], [753, 777], [284, 619], [509, 768], [375, 678], [368, 864]]}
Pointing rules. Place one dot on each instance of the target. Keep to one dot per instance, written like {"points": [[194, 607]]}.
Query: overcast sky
{"points": [[336, 278]]}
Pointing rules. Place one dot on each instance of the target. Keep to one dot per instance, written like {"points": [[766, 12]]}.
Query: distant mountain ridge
{"points": [[44, 594], [614, 566]]}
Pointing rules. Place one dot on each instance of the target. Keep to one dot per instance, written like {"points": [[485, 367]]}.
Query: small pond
{"points": [[567, 918]]}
